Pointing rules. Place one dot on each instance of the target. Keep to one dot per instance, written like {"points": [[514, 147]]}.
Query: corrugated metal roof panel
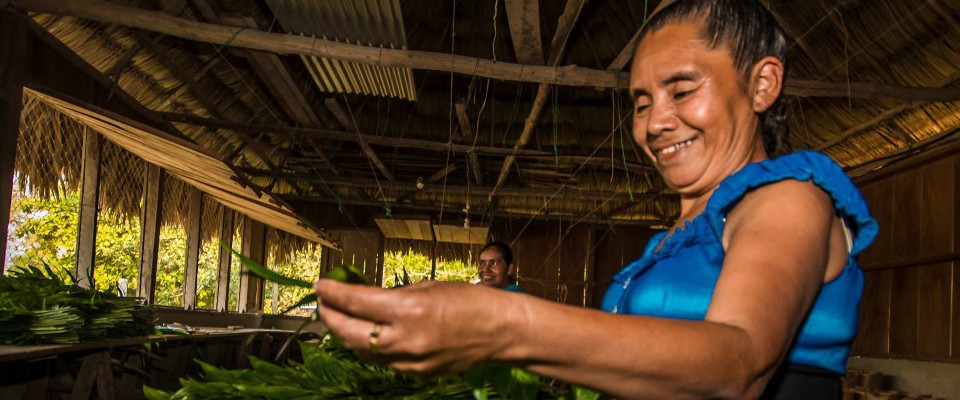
{"points": [[374, 23]]}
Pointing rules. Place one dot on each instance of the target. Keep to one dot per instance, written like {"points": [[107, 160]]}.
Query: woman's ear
{"points": [[767, 83]]}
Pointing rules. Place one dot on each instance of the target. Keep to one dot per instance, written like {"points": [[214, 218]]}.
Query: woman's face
{"points": [[693, 117], [492, 268]]}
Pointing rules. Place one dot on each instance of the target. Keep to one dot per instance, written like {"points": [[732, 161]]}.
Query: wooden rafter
{"points": [[567, 20], [562, 193], [388, 140], [626, 53], [494, 212], [275, 76], [341, 115], [889, 113], [524, 19], [102, 11]]}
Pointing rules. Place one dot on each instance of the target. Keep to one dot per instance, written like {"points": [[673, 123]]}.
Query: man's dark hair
{"points": [[503, 248], [748, 30]]}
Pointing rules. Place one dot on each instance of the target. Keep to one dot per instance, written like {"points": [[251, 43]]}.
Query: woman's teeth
{"points": [[676, 147]]}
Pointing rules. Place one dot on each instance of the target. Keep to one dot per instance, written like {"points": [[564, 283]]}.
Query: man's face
{"points": [[493, 269]]}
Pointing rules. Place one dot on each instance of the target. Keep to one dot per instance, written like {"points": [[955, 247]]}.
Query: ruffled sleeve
{"points": [[802, 166]]}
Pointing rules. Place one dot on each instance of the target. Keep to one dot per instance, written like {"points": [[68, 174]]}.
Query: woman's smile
{"points": [[670, 151]]}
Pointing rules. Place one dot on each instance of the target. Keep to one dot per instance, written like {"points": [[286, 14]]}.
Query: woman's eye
{"points": [[681, 95], [640, 108]]}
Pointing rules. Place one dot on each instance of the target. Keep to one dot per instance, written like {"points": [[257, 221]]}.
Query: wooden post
{"points": [[254, 246], [89, 204], [150, 232], [223, 275], [194, 221], [14, 62]]}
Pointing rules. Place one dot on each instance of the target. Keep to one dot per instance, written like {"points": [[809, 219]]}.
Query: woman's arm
{"points": [[778, 249]]}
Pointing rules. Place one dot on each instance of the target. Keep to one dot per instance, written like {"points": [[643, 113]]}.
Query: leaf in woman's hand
{"points": [[266, 273], [346, 274]]}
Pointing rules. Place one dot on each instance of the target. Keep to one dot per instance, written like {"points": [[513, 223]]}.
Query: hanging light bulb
{"points": [[419, 182], [466, 222]]}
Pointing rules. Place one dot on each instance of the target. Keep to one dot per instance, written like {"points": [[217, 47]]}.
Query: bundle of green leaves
{"points": [[37, 307], [331, 371]]}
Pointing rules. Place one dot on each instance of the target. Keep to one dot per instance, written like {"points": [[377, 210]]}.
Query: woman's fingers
{"points": [[358, 334], [365, 302]]}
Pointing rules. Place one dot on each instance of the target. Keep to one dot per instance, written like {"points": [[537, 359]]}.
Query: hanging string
{"points": [[556, 125]]}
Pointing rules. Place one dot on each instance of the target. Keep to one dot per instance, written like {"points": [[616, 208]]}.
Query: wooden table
{"points": [[27, 370]]}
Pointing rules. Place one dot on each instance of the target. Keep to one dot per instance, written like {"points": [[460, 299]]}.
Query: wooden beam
{"points": [[223, 271], [89, 201], [451, 208], [571, 75], [118, 66], [14, 64], [570, 13], [347, 122], [524, 19], [194, 222], [254, 248], [889, 113], [626, 53], [150, 218], [564, 193], [387, 140]]}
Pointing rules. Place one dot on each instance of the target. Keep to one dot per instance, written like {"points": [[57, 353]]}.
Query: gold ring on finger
{"points": [[374, 338]]}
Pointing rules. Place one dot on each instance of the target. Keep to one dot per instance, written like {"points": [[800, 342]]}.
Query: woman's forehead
{"points": [[491, 253]]}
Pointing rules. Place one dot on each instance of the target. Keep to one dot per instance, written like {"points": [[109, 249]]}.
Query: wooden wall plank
{"points": [[254, 248], [574, 257], [873, 335], [194, 222], [150, 218], [903, 311], [955, 312], [223, 270], [363, 249], [14, 64], [907, 200], [939, 208], [89, 207], [537, 268], [933, 318], [878, 199]]}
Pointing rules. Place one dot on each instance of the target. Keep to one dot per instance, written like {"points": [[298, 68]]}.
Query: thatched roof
{"points": [[291, 122]]}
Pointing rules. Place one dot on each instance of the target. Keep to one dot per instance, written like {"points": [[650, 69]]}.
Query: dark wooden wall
{"points": [[911, 305], [574, 263]]}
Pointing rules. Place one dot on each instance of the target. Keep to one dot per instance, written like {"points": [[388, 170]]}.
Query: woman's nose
{"points": [[662, 118]]}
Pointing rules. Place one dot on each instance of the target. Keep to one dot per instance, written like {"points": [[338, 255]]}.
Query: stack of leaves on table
{"points": [[37, 307]]}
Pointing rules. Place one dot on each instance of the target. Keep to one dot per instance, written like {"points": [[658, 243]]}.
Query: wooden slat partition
{"points": [[362, 249], [89, 206], [911, 305], [13, 69]]}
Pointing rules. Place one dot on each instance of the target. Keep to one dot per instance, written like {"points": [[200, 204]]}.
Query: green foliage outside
{"points": [[45, 231], [418, 266], [303, 265]]}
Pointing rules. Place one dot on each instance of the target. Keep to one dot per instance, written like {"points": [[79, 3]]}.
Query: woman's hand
{"points": [[429, 329]]}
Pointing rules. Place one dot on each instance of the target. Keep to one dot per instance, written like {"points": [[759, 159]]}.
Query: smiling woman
{"points": [[753, 293]]}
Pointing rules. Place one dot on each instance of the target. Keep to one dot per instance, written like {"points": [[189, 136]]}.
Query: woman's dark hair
{"points": [[503, 248], [748, 30]]}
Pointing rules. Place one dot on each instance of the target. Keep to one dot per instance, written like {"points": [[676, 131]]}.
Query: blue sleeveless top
{"points": [[678, 280]]}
